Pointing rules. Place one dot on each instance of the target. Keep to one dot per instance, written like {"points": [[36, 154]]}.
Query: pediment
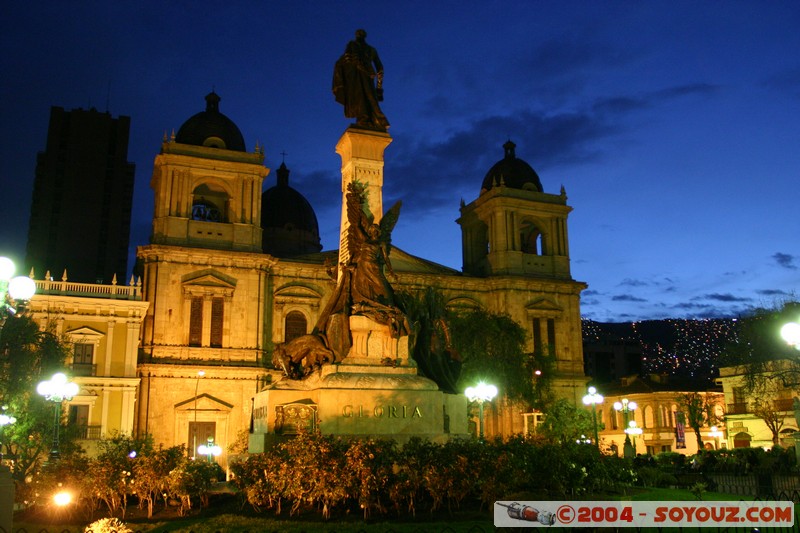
{"points": [[463, 303], [85, 331], [543, 306], [208, 278], [297, 291], [203, 402]]}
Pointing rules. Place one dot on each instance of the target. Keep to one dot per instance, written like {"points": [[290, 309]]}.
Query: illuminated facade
{"points": [[750, 415], [219, 303], [102, 324], [659, 415]]}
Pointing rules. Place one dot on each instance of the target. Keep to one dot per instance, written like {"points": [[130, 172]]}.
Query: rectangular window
{"points": [[537, 336], [551, 336], [217, 311], [83, 359], [196, 322]]}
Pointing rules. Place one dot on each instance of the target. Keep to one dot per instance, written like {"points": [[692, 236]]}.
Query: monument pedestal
{"points": [[374, 392]]}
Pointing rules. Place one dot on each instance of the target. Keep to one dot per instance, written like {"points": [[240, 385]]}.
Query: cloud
{"points": [[784, 260], [787, 82], [627, 298], [723, 298], [772, 292], [633, 283], [692, 89], [428, 174]]}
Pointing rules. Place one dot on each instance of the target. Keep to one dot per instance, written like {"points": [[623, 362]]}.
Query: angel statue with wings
{"points": [[369, 245], [363, 288]]}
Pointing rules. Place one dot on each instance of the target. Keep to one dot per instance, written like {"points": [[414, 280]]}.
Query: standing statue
{"points": [[358, 84]]}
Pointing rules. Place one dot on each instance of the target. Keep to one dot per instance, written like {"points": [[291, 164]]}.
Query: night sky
{"points": [[673, 126]]}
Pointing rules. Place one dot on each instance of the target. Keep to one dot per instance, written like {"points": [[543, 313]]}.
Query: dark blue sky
{"points": [[673, 126]]}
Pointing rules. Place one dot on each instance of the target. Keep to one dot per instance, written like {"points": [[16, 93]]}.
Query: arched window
{"points": [[295, 325], [531, 240], [209, 204], [647, 421]]}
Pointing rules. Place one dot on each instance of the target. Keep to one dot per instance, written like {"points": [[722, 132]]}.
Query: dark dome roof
{"points": [[512, 172], [211, 128], [282, 205]]}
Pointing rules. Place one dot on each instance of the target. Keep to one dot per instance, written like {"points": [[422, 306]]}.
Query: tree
{"points": [[27, 355], [699, 411], [765, 409], [566, 423], [460, 348], [759, 352]]}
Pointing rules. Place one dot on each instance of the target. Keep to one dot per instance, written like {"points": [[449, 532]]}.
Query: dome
{"points": [[211, 128], [512, 172], [288, 221]]}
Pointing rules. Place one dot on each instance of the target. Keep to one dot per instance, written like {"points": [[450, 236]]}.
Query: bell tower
{"points": [[513, 227], [207, 187]]}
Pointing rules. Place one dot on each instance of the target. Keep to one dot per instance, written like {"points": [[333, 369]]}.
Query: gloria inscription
{"points": [[382, 411]]}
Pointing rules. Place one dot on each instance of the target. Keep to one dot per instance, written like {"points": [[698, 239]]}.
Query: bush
{"points": [[107, 525], [377, 476]]}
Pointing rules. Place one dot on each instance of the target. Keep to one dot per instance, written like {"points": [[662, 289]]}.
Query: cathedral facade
{"points": [[231, 271]]}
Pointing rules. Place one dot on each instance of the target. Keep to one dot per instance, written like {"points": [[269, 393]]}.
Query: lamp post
{"points": [[633, 430], [593, 399], [12, 289], [481, 393], [626, 407], [57, 389], [200, 374], [209, 450]]}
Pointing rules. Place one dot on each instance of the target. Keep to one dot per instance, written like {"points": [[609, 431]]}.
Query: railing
{"points": [[83, 369], [132, 291], [88, 432], [743, 408], [739, 408], [786, 404]]}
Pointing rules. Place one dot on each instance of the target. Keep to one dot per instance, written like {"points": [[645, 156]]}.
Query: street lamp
{"points": [[716, 433], [5, 420], [209, 450], [12, 288], [481, 393], [626, 407], [791, 334], [633, 430], [57, 389], [593, 399]]}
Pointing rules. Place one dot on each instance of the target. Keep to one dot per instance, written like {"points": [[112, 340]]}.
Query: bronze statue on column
{"points": [[358, 84]]}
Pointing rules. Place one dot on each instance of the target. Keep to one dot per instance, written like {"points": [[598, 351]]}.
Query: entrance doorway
{"points": [[199, 433]]}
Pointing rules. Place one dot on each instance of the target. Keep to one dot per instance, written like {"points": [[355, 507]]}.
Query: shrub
{"points": [[107, 525]]}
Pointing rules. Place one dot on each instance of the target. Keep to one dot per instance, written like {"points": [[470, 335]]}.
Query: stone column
{"points": [[361, 151]]}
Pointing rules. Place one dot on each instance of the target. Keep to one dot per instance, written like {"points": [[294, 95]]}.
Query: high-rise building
{"points": [[82, 197]]}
